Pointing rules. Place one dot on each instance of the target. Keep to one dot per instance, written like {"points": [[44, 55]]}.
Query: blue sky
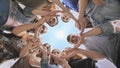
{"points": [[57, 36]]}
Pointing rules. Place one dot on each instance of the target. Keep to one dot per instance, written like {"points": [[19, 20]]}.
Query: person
{"points": [[101, 16], [77, 60], [56, 61], [98, 49], [45, 60], [40, 22], [33, 59], [10, 46]]}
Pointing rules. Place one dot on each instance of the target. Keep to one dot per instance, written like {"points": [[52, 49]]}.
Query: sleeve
{"points": [[44, 63], [107, 28]]}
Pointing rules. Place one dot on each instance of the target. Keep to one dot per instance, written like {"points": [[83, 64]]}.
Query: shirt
{"points": [[72, 4]]}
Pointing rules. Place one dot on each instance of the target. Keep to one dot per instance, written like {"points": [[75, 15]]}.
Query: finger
{"points": [[82, 28]]}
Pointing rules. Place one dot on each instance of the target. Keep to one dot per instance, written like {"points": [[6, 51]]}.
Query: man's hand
{"points": [[82, 24]]}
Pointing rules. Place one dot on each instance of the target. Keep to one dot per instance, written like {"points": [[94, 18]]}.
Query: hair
{"points": [[47, 44], [52, 61], [43, 29], [68, 38], [64, 20], [52, 25]]}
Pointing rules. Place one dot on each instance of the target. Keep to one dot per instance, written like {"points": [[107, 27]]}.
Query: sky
{"points": [[57, 36]]}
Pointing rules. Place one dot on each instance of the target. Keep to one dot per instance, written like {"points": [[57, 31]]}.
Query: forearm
{"points": [[82, 7], [66, 65], [25, 50], [92, 32], [40, 12], [91, 54]]}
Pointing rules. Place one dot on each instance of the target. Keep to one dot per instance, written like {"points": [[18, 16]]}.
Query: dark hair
{"points": [[44, 29], [52, 25], [47, 44], [64, 20], [52, 61], [68, 38]]}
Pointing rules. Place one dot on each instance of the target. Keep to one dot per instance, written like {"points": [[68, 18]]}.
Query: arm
{"points": [[34, 61], [45, 13], [92, 32], [25, 27], [82, 8], [91, 54], [81, 18], [105, 28], [66, 65], [40, 12]]}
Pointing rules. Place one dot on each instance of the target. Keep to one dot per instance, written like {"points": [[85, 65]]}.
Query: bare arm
{"points": [[93, 32], [39, 12], [66, 65], [91, 54], [82, 7]]}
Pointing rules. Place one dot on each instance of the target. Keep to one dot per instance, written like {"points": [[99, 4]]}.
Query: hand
{"points": [[81, 24], [58, 58], [99, 2], [69, 54]]}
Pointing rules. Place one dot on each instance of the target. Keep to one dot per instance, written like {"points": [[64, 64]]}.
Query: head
{"points": [[65, 18], [53, 21], [43, 29], [55, 52], [47, 46], [74, 39]]}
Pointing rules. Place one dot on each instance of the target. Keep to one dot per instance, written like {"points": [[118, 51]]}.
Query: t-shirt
{"points": [[82, 63], [101, 14], [72, 4], [105, 45]]}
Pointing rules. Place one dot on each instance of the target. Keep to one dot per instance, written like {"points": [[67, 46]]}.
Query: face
{"points": [[47, 46], [43, 29], [56, 51], [65, 18], [53, 21], [74, 39]]}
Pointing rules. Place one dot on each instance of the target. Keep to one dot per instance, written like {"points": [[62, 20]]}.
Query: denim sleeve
{"points": [[44, 63], [107, 28]]}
